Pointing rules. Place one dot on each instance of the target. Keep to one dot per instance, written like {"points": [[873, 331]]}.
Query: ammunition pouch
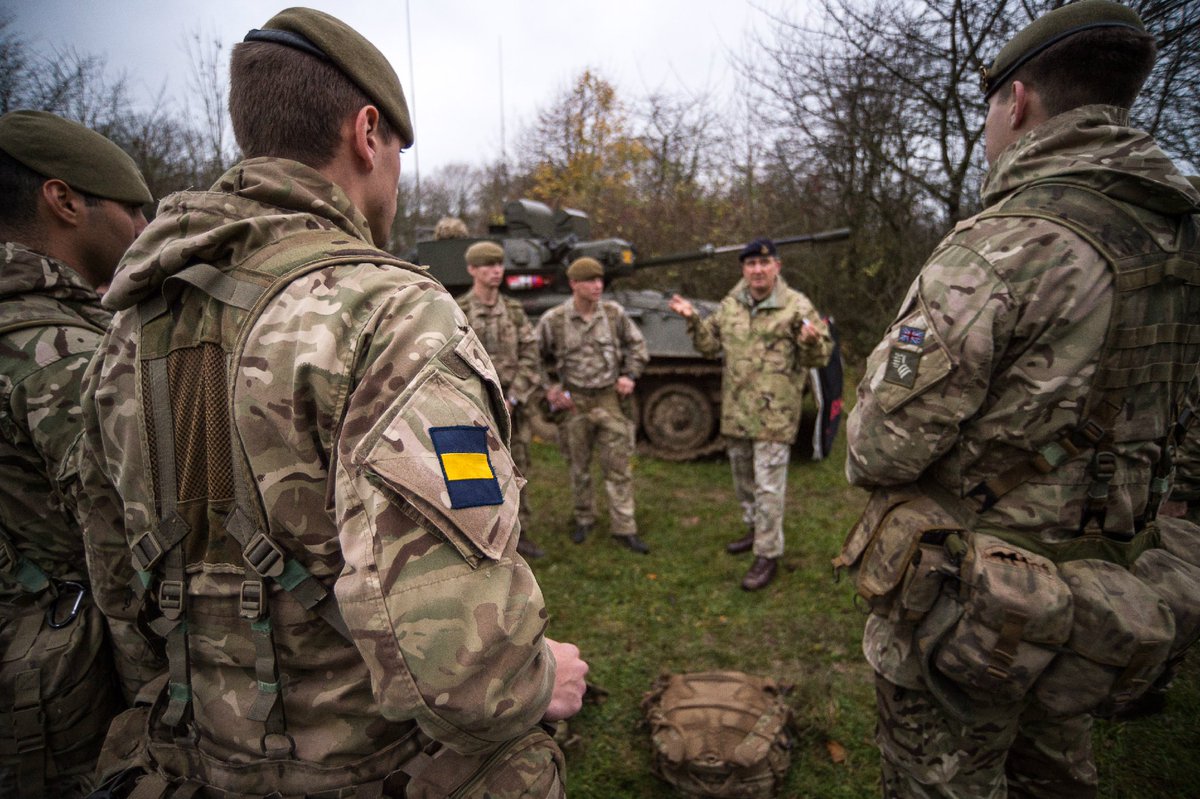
{"points": [[900, 551], [530, 765], [1015, 613], [1085, 626], [58, 692]]}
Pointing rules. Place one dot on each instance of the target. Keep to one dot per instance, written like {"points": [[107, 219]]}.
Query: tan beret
{"points": [[482, 253], [326, 36], [80, 157], [585, 269], [1052, 28]]}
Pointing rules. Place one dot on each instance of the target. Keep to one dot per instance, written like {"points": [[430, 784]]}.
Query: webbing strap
{"points": [[219, 285], [1099, 412], [172, 593], [29, 733]]}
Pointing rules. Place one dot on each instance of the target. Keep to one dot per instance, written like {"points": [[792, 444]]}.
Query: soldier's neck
{"points": [[584, 307], [486, 294]]}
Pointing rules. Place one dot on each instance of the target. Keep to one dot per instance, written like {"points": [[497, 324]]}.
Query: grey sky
{"points": [[676, 46]]}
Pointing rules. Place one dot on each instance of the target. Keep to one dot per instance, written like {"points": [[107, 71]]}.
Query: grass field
{"points": [[680, 609]]}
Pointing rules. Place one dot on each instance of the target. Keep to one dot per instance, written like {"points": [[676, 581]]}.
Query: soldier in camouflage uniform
{"points": [[594, 353], [771, 335], [298, 476], [70, 204], [508, 337], [978, 396]]}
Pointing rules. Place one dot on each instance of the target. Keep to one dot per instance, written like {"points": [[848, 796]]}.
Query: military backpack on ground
{"points": [[719, 734]]}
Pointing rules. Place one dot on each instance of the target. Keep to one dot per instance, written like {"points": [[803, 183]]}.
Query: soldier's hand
{"points": [[624, 386], [569, 682], [809, 333], [559, 400], [681, 306]]}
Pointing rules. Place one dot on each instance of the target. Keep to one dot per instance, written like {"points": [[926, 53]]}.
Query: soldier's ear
{"points": [[62, 203]]}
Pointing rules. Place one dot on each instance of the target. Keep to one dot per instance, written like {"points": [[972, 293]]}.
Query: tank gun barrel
{"points": [[709, 251]]}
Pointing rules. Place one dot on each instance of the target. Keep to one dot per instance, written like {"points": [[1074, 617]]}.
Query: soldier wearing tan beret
{"points": [[507, 335], [594, 354]]}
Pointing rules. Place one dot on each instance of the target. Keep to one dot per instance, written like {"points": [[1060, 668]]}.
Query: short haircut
{"points": [[19, 187], [1101, 65], [284, 103]]}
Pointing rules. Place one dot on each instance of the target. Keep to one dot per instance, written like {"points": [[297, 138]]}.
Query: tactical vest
{"points": [[209, 512], [57, 685], [1150, 349]]}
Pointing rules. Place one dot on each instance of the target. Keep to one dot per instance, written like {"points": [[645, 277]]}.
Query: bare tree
{"points": [[208, 82]]}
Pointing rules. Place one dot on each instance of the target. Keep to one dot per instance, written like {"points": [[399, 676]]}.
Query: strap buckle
{"points": [[147, 550], [251, 604], [264, 556], [170, 598]]}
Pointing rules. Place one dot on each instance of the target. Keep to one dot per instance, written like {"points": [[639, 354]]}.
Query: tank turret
{"points": [[678, 397]]}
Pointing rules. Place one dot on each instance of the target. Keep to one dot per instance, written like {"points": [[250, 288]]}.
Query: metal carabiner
{"points": [[52, 611]]}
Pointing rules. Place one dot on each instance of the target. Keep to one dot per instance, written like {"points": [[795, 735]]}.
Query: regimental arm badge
{"points": [[463, 454]]}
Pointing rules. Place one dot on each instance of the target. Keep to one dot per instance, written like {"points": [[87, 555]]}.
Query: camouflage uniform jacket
{"points": [[766, 364], [343, 374], [591, 353], [995, 347], [508, 337], [41, 371], [1187, 454]]}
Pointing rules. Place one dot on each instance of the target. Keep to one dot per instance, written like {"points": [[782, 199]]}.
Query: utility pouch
{"points": [[1121, 635], [1173, 572], [58, 691], [896, 551], [530, 765], [1016, 611]]}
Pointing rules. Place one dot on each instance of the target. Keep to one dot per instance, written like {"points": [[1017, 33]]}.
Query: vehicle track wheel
{"points": [[677, 419]]}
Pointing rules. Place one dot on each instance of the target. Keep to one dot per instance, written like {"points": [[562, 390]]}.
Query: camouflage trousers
{"points": [[599, 423], [1015, 750], [760, 471], [518, 447]]}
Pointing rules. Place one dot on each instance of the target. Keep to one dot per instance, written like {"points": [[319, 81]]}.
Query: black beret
{"points": [[80, 157], [760, 246], [327, 37], [1052, 28]]}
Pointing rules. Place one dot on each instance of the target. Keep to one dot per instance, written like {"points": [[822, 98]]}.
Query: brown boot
{"points": [[762, 571], [743, 544]]}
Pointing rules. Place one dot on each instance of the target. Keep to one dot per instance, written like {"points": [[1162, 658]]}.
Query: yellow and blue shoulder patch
{"points": [[463, 454]]}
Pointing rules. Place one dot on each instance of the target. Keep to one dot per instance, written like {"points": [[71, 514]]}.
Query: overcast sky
{"points": [[463, 51]]}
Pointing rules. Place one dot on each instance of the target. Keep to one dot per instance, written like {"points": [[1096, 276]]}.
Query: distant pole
{"points": [[412, 101], [503, 147]]}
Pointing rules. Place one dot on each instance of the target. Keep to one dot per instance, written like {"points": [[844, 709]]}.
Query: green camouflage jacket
{"points": [[993, 352], [345, 375], [591, 353], [762, 384], [41, 370], [509, 339]]}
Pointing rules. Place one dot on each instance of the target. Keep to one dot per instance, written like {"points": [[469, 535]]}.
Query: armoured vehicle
{"points": [[678, 397]]}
